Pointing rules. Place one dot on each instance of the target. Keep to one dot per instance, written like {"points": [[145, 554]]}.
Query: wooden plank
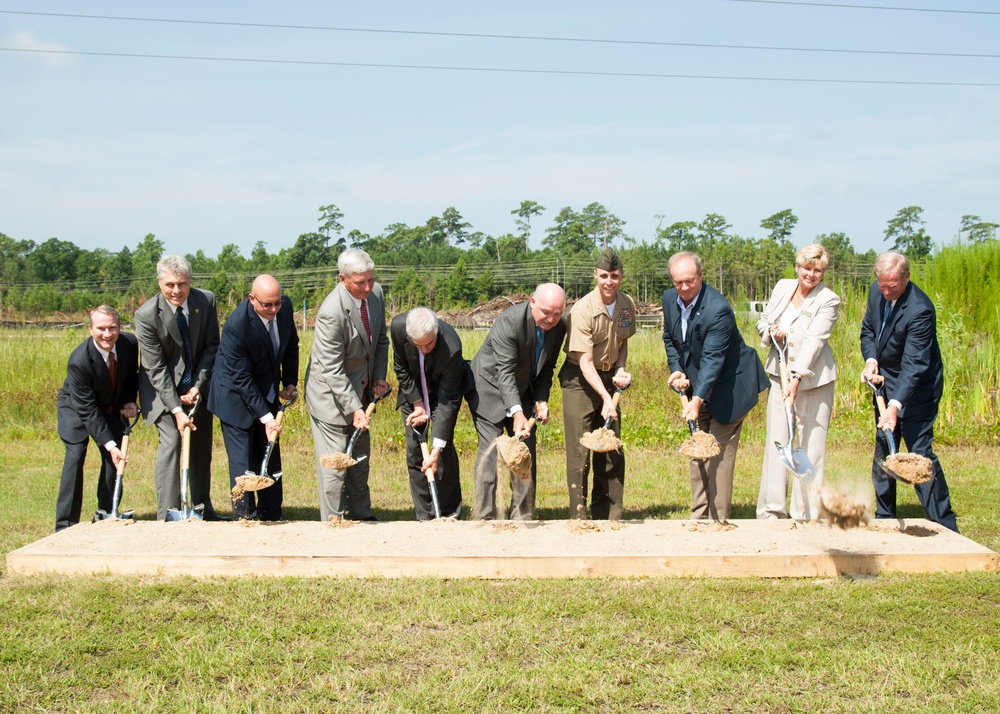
{"points": [[536, 549]]}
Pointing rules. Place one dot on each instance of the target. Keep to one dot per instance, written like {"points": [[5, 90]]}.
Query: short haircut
{"points": [[105, 310], [813, 253], [421, 322], [684, 254], [175, 264], [353, 261], [890, 260]]}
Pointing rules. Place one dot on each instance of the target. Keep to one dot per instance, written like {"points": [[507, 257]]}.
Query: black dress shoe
{"points": [[213, 516], [371, 519]]}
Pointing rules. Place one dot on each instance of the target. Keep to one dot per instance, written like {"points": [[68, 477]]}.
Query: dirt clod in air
{"points": [[842, 510]]}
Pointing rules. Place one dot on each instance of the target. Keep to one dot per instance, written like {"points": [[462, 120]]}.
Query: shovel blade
{"points": [[803, 466]]}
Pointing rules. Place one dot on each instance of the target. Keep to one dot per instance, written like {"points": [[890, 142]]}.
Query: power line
{"points": [[871, 7], [532, 38], [510, 70]]}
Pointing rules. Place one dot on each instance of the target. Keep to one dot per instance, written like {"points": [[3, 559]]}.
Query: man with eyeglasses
{"points": [[256, 369], [717, 370], [900, 346], [178, 333]]}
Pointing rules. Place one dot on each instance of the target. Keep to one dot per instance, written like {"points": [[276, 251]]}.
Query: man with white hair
{"points": [[178, 333], [347, 369], [433, 377]]}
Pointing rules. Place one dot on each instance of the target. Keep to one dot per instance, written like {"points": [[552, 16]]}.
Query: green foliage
{"points": [[907, 233]]}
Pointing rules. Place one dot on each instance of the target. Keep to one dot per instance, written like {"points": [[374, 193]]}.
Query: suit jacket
{"points": [[163, 352], [502, 366], [807, 346], [724, 372], [449, 377], [246, 368], [343, 355], [86, 396], [908, 354]]}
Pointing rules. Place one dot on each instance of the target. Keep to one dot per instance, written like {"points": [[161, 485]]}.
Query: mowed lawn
{"points": [[101, 643]]}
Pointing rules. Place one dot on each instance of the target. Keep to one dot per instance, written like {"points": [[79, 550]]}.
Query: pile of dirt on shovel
{"points": [[601, 440], [912, 468], [250, 483], [701, 445], [514, 454], [337, 462]]}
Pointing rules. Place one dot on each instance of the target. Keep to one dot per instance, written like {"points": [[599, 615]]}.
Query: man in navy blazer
{"points": [[433, 377], [259, 353], [100, 388], [721, 374], [900, 346], [513, 374]]}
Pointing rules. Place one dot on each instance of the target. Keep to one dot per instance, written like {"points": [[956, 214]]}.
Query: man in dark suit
{"points": [[259, 352], [347, 368], [100, 388], [513, 377], [900, 347], [433, 377], [721, 374], [178, 333]]}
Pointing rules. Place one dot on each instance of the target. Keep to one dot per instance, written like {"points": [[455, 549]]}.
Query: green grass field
{"points": [[888, 643]]}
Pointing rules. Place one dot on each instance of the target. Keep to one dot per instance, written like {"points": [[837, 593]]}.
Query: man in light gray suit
{"points": [[347, 368], [513, 374], [175, 370]]}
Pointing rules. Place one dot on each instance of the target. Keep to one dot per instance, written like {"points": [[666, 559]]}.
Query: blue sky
{"points": [[101, 150]]}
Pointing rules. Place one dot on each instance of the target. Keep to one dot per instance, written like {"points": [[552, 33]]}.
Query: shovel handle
{"points": [[370, 409], [277, 420], [692, 427], [527, 428], [124, 450], [425, 452]]}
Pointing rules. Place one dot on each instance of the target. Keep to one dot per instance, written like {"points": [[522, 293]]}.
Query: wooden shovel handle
{"points": [[369, 410], [277, 420], [124, 450], [425, 452]]}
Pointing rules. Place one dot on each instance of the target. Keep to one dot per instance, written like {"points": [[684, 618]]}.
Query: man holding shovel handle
{"points": [[433, 378], [258, 354], [599, 327], [900, 346]]}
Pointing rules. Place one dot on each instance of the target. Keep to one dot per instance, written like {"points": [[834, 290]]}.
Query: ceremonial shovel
{"points": [[429, 473], [795, 459], [186, 510], [345, 460], [251, 481], [101, 514]]}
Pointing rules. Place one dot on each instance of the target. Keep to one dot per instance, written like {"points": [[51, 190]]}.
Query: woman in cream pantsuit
{"points": [[802, 313]]}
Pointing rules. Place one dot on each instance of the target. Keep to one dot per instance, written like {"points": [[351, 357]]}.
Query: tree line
{"points": [[446, 264]]}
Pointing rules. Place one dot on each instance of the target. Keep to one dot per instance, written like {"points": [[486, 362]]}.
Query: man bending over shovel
{"points": [[259, 352], [101, 383]]}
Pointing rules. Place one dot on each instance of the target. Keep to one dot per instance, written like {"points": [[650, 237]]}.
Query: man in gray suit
{"points": [[347, 368], [178, 333], [513, 374]]}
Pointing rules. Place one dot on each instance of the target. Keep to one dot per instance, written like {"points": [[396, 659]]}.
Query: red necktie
{"points": [[364, 319], [113, 371]]}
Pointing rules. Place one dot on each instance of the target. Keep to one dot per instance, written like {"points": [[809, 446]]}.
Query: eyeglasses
{"points": [[267, 305]]}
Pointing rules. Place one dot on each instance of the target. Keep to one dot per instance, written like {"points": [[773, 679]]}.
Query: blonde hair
{"points": [[813, 253]]}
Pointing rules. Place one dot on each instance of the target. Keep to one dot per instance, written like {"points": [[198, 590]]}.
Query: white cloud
{"points": [[47, 51]]}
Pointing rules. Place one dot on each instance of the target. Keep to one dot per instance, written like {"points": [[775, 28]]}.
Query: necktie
{"points": [[113, 371], [887, 310], [423, 384], [364, 319], [539, 341], [182, 324], [274, 336]]}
